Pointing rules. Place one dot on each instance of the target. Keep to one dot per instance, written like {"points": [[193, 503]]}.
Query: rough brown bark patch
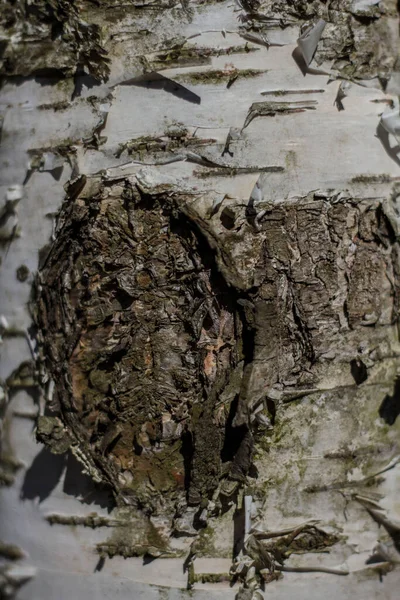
{"points": [[169, 352]]}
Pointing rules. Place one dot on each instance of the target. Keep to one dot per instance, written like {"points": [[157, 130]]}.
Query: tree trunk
{"points": [[199, 299]]}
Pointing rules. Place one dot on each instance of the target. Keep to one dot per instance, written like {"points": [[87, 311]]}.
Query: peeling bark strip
{"points": [[270, 109], [165, 332]]}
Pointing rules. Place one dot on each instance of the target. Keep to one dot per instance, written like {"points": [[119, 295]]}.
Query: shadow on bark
{"points": [[45, 472], [77, 484], [44, 77], [238, 529], [392, 151], [81, 80], [305, 70], [100, 564], [43, 475]]}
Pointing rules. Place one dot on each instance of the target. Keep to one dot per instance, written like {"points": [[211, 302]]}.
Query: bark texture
{"points": [[212, 375]]}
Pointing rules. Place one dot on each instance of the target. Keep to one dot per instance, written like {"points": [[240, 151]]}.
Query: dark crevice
{"points": [[346, 308], [365, 19], [242, 460], [198, 522], [271, 406], [246, 311], [137, 448], [358, 370], [251, 212], [389, 410], [385, 232], [187, 449], [123, 298], [233, 435], [238, 532], [56, 30], [112, 360], [191, 233], [227, 218], [112, 444]]}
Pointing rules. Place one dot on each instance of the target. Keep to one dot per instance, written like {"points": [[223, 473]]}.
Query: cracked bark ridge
{"points": [[165, 332]]}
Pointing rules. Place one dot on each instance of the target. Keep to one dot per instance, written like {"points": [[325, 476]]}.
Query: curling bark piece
{"points": [[308, 41]]}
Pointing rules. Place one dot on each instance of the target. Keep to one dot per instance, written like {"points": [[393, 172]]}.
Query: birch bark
{"points": [[199, 299]]}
